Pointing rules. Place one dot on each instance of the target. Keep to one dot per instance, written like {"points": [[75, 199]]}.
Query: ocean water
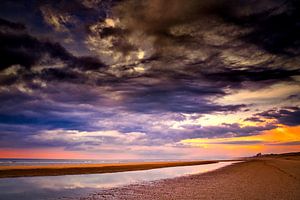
{"points": [[22, 162], [76, 186]]}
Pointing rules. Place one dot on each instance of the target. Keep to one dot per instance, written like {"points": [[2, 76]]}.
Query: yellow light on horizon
{"points": [[277, 136]]}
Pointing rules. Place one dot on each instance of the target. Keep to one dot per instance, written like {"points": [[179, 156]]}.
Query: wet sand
{"points": [[72, 169], [276, 178]]}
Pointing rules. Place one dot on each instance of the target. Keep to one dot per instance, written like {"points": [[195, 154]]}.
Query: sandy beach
{"points": [[262, 178], [72, 169]]}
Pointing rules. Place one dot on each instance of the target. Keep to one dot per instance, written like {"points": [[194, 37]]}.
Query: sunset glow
{"points": [[148, 79]]}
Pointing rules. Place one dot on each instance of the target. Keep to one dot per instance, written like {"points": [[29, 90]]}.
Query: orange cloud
{"points": [[281, 139]]}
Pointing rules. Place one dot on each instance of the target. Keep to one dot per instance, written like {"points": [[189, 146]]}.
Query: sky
{"points": [[151, 79]]}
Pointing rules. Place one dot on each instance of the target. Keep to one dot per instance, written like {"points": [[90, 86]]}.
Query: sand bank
{"points": [[71, 169], [260, 179]]}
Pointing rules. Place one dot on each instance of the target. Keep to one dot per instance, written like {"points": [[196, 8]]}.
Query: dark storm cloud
{"points": [[254, 119], [272, 25], [294, 97], [235, 77], [51, 74], [242, 22], [37, 120], [227, 130], [196, 52], [87, 63], [185, 99], [185, 96], [9, 98], [277, 29], [4, 24], [13, 135], [173, 136], [157, 17], [211, 132], [6, 80], [150, 20], [288, 116], [49, 108], [26, 50], [215, 74]]}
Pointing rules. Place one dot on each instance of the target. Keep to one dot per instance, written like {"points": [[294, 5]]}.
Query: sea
{"points": [[37, 162], [86, 185]]}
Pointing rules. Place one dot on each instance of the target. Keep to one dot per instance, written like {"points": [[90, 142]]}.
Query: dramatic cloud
{"points": [[288, 116], [25, 50], [148, 76]]}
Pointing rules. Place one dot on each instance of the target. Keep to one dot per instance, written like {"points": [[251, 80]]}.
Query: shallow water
{"points": [[55, 187], [33, 162]]}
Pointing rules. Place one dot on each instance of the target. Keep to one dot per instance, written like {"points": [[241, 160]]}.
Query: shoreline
{"points": [[256, 178], [262, 177], [77, 169]]}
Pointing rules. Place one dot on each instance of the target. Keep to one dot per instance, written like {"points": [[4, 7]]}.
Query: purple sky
{"points": [[149, 79]]}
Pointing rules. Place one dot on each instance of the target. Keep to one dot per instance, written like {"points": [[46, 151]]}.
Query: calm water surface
{"points": [[32, 162], [60, 187]]}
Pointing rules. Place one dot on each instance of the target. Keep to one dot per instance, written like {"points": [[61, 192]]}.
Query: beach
{"points": [[263, 177], [259, 178]]}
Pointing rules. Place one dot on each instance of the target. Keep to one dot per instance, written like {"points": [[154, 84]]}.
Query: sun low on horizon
{"points": [[152, 79]]}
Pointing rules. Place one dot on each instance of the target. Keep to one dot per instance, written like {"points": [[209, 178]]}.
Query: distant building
{"points": [[258, 155]]}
